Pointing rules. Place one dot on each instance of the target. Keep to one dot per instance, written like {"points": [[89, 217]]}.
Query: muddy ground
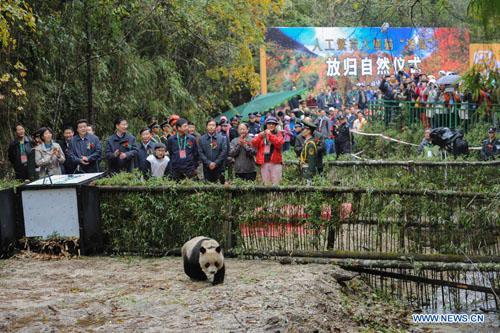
{"points": [[130, 294]]}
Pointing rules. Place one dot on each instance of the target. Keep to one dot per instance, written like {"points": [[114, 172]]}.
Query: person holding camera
{"points": [[269, 145], [432, 92], [49, 155], [386, 88]]}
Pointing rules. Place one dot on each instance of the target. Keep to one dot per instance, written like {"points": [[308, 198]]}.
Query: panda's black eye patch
{"points": [[207, 265], [216, 264]]}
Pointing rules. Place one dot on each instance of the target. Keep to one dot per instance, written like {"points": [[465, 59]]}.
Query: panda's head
{"points": [[211, 259]]}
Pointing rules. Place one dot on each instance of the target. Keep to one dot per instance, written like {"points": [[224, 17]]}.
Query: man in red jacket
{"points": [[269, 145]]}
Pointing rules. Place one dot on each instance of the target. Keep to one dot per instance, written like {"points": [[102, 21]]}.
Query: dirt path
{"points": [[153, 295]]}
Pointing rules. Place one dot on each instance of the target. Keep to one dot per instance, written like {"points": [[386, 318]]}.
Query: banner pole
{"points": [[263, 71]]}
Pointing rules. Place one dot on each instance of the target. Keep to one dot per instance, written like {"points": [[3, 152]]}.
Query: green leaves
{"points": [[147, 58]]}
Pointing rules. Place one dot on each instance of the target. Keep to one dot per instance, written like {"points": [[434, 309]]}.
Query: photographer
{"points": [[432, 92], [387, 89], [269, 145], [420, 91]]}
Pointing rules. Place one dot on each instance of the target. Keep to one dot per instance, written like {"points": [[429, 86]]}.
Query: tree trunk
{"points": [[88, 55]]}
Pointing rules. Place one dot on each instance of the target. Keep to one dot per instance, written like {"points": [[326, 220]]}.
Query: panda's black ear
{"points": [[203, 250], [218, 249]]}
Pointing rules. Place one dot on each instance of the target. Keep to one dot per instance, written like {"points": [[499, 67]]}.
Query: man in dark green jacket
{"points": [[18, 153]]}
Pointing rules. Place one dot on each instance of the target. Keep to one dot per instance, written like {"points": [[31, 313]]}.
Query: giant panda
{"points": [[203, 259]]}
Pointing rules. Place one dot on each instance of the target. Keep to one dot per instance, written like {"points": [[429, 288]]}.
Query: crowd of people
{"points": [[312, 127], [174, 148]]}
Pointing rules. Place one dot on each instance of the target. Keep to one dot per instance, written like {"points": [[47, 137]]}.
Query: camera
{"points": [[450, 140]]}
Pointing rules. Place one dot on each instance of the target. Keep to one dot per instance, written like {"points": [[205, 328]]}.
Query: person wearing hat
{"points": [[172, 120], [233, 130], [254, 124], [155, 132], [298, 139], [269, 145], [224, 129], [183, 152], [319, 138], [491, 146], [309, 160], [342, 137], [18, 152], [157, 163], [213, 152], [121, 148], [166, 132]]}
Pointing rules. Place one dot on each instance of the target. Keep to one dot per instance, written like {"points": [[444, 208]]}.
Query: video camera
{"points": [[450, 140]]}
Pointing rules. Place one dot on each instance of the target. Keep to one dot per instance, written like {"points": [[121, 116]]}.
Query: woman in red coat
{"points": [[269, 145]]}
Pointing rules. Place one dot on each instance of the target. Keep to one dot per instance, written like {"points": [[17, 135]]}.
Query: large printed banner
{"points": [[317, 57], [485, 56]]}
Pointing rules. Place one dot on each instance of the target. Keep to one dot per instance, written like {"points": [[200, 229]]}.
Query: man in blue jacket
{"points": [[121, 148], [213, 151], [85, 149], [254, 125], [183, 152], [146, 148]]}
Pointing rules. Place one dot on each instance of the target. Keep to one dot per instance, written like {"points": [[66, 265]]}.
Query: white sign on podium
{"points": [[50, 206]]}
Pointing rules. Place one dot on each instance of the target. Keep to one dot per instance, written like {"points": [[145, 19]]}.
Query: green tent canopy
{"points": [[261, 103]]}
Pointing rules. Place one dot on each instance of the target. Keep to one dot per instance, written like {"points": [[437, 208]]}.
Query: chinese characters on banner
{"points": [[382, 66], [485, 56], [316, 57], [386, 44]]}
